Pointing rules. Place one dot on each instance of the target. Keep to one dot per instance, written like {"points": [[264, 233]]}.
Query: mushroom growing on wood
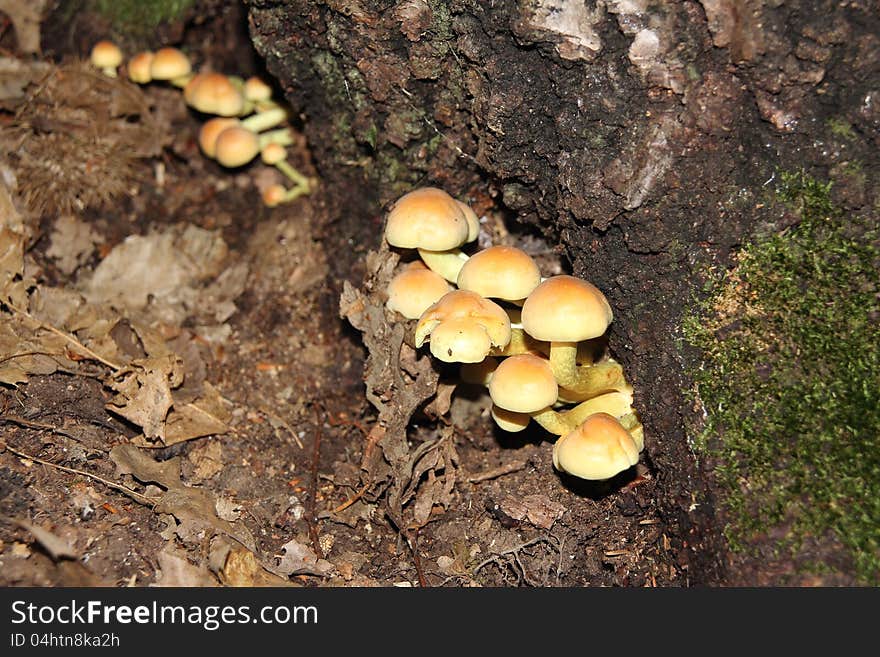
{"points": [[599, 448], [106, 56], [565, 310], [414, 289], [525, 383], [139, 67], [474, 326], [172, 65], [430, 220]]}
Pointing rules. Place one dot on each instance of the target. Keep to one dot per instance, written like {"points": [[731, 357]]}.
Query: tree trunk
{"points": [[638, 136]]}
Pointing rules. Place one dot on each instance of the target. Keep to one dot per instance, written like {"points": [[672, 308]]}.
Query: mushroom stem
{"points": [[279, 195], [282, 137], [109, 71], [445, 263], [294, 176], [265, 120], [181, 81], [521, 343], [583, 381], [618, 404]]}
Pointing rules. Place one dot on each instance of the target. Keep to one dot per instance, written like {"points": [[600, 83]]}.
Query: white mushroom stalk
{"points": [[446, 263]]}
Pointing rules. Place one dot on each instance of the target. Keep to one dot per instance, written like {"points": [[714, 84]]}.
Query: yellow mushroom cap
{"points": [[106, 54], [566, 309], [414, 290], [209, 132], [214, 93], [460, 340], [597, 449], [523, 383], [500, 272], [169, 63], [236, 146], [256, 89], [464, 304], [426, 218], [273, 153], [139, 67], [274, 195], [510, 421]]}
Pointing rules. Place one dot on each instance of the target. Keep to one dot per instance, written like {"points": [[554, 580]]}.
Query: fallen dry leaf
{"points": [[57, 547], [300, 559], [144, 393], [176, 571], [242, 568], [194, 508], [539, 509]]}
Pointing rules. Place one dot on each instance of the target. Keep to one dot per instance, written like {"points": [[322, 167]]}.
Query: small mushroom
{"points": [[106, 56], [500, 272], [139, 67], [412, 291], [477, 326], [599, 448], [430, 220], [214, 93], [172, 65], [565, 310]]}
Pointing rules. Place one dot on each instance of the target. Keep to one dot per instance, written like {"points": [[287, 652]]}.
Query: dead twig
{"points": [[500, 471], [514, 552], [72, 340], [313, 487], [413, 541], [137, 497], [351, 500]]}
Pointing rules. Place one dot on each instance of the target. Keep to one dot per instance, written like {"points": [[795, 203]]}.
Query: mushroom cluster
{"points": [[245, 118], [530, 340]]}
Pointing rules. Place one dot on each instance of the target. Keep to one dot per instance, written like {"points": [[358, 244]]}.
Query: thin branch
{"points": [[137, 497], [72, 340], [313, 487]]}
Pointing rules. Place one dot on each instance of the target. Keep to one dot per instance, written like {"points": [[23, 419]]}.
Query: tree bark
{"points": [[638, 136]]}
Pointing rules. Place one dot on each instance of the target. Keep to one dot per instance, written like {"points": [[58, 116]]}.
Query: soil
{"points": [[286, 479]]}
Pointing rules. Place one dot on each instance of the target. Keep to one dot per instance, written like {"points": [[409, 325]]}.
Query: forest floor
{"points": [[183, 404], [189, 380]]}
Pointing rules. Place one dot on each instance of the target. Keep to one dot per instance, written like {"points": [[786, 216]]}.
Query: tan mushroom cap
{"points": [[598, 449], [106, 54], [169, 63], [273, 153], [500, 272], [566, 309], [209, 132], [274, 195], [214, 93], [464, 304], [426, 218], [460, 340], [414, 290], [255, 89], [139, 67], [236, 146], [523, 383]]}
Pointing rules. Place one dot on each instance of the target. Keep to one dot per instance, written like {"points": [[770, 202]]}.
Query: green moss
{"points": [[842, 129], [141, 16], [789, 378]]}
